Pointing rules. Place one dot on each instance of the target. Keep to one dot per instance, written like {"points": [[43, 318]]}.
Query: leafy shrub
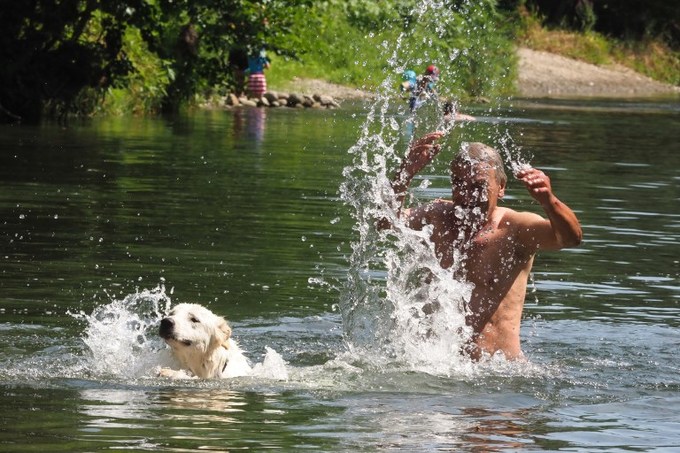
{"points": [[144, 89], [362, 42]]}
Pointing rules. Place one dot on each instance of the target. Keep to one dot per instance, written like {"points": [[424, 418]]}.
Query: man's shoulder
{"points": [[432, 210], [436, 204], [515, 215]]}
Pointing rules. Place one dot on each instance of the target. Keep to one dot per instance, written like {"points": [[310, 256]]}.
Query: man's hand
{"points": [[563, 228], [420, 154], [537, 183]]}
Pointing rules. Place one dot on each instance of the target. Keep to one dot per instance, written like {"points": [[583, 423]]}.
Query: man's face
{"points": [[474, 185]]}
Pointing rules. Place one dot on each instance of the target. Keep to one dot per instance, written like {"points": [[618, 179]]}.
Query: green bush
{"points": [[144, 89], [361, 42]]}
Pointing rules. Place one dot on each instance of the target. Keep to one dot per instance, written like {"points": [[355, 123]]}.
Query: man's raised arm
{"points": [[563, 229], [420, 153]]}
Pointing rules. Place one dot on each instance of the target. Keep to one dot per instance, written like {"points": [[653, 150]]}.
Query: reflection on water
{"points": [[209, 419], [497, 430], [249, 125]]}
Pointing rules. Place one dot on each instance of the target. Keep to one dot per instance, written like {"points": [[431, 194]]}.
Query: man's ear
{"points": [[501, 191]]}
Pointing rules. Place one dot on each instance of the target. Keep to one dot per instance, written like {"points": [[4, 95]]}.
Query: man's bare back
{"points": [[496, 246]]}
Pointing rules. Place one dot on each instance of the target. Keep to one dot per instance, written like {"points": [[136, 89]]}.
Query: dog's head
{"points": [[192, 329]]}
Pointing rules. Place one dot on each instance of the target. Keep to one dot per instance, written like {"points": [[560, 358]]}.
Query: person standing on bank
{"points": [[497, 245], [257, 82]]}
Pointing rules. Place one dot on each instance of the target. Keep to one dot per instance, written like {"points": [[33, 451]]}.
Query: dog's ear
{"points": [[226, 331]]}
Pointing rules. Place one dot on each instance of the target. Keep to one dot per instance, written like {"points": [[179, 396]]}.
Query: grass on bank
{"points": [[337, 53], [473, 49]]}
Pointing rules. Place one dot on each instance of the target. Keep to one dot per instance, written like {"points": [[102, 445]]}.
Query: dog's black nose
{"points": [[166, 328]]}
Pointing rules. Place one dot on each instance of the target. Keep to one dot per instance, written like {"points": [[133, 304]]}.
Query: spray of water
{"points": [[399, 305], [122, 336]]}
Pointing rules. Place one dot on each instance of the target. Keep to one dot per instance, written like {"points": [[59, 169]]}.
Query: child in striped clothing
{"points": [[257, 82]]}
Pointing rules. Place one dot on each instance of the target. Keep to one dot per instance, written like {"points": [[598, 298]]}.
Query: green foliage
{"points": [[362, 42], [197, 35], [373, 14], [333, 49], [64, 55], [51, 50], [585, 15], [143, 90], [652, 57], [472, 45], [139, 56], [629, 20]]}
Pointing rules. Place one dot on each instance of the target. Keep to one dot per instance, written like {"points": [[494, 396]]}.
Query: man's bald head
{"points": [[476, 153]]}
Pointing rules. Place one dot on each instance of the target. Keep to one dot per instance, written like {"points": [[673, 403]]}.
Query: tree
{"points": [[50, 50], [623, 19], [198, 35], [54, 51]]}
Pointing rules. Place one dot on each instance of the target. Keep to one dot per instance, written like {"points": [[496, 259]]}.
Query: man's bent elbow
{"points": [[573, 239], [574, 242]]}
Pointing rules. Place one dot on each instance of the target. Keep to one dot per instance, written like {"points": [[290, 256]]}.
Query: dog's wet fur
{"points": [[201, 342]]}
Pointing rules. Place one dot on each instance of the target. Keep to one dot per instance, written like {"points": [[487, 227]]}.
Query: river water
{"points": [[107, 223]]}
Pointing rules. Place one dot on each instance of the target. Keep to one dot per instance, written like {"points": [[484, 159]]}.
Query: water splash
{"points": [[122, 336], [513, 154], [272, 367], [399, 305]]}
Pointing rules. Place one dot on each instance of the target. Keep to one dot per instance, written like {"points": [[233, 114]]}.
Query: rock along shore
{"points": [[298, 93], [541, 75], [282, 99]]}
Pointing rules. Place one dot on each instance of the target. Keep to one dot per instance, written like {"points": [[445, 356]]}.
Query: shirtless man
{"points": [[497, 244]]}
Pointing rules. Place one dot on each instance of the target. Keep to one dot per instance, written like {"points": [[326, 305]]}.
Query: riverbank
{"points": [[540, 75], [547, 75]]}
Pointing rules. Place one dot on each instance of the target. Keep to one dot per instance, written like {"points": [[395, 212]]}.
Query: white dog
{"points": [[201, 342]]}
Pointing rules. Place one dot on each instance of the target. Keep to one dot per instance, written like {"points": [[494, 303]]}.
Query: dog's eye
{"points": [[194, 319]]}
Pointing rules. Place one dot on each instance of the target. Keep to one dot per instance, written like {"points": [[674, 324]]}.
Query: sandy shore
{"points": [[546, 75], [541, 75]]}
